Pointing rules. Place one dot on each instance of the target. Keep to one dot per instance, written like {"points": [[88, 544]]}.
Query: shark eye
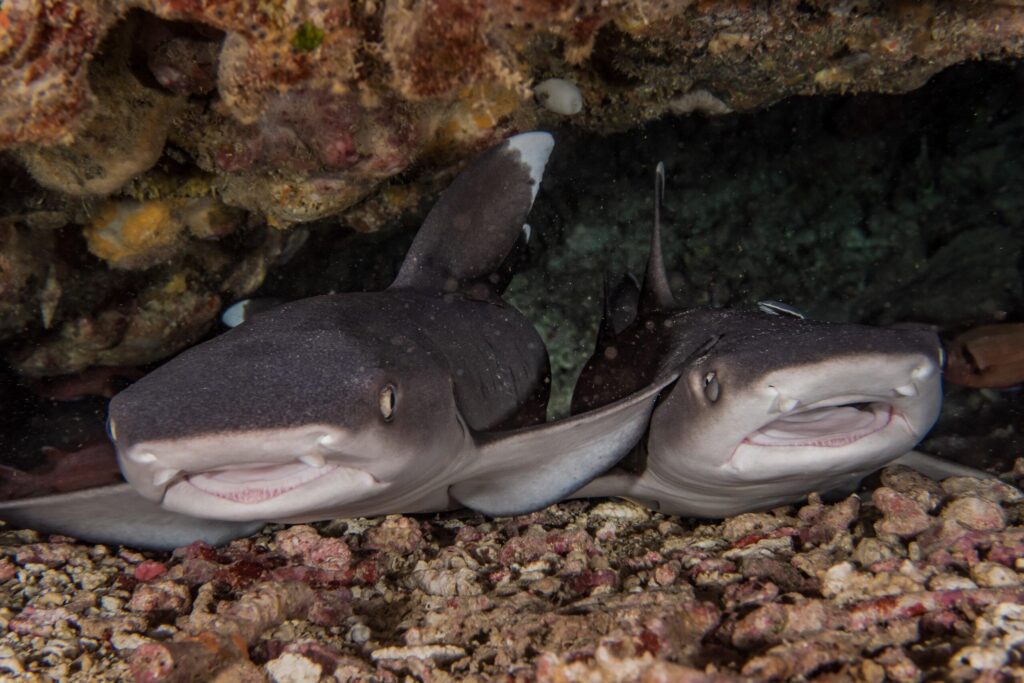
{"points": [[388, 399], [711, 387]]}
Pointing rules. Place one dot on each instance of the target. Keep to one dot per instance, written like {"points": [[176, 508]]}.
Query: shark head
{"points": [[290, 414], [766, 399], [347, 404], [768, 406]]}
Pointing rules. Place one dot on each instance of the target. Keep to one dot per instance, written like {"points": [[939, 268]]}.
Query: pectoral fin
{"points": [[118, 515], [524, 470], [937, 468]]}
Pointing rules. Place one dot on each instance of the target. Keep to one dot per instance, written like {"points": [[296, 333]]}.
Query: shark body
{"points": [[768, 407], [421, 397]]}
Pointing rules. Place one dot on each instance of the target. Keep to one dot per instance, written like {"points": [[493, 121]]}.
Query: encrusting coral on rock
{"points": [[362, 91], [357, 112]]}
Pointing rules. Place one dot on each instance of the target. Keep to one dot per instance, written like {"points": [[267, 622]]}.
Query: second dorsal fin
{"points": [[620, 307], [656, 294], [469, 233]]}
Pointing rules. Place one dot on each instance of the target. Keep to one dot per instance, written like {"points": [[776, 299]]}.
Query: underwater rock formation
{"points": [[282, 102], [357, 113]]}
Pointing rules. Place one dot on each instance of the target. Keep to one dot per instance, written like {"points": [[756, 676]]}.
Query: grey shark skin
{"points": [[417, 398], [768, 406]]}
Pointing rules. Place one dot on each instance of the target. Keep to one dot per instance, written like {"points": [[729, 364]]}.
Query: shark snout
{"points": [[853, 380], [282, 460], [845, 414]]}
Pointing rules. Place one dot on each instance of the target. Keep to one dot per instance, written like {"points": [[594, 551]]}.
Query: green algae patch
{"points": [[308, 37]]}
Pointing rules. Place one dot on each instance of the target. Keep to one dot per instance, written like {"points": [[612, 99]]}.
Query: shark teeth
{"points": [[313, 460], [258, 484], [164, 475], [907, 390]]}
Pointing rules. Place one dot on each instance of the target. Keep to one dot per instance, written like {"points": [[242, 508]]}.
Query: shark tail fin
{"points": [[468, 235], [656, 294]]}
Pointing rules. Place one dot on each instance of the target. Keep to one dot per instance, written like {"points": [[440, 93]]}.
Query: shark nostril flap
{"points": [[923, 371], [313, 460], [907, 390]]}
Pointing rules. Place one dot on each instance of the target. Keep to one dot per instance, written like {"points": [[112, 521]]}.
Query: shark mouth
{"points": [[824, 427], [256, 483]]}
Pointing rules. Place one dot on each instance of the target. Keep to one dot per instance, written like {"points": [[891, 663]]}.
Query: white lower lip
{"points": [[251, 485], [825, 427]]}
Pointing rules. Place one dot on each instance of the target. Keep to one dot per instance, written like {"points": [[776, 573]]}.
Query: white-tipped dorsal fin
{"points": [[472, 228]]}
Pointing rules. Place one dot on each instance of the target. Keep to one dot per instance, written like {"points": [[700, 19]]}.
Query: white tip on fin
{"points": [[534, 149], [234, 315]]}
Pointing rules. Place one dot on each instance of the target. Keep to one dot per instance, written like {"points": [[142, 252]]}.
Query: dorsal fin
{"points": [[620, 307], [468, 234], [656, 294]]}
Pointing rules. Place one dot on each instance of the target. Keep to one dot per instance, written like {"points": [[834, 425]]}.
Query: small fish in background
{"points": [[987, 357], [425, 396], [769, 406]]}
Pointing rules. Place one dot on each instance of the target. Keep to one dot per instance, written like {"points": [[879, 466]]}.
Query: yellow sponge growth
{"points": [[133, 234]]}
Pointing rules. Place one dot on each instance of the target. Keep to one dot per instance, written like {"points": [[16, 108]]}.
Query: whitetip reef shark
{"points": [[768, 407], [422, 397]]}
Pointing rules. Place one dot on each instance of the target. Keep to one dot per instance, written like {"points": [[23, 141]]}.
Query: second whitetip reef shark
{"points": [[422, 397], [768, 407]]}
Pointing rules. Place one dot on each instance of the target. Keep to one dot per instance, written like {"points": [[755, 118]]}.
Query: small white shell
{"points": [[560, 96]]}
